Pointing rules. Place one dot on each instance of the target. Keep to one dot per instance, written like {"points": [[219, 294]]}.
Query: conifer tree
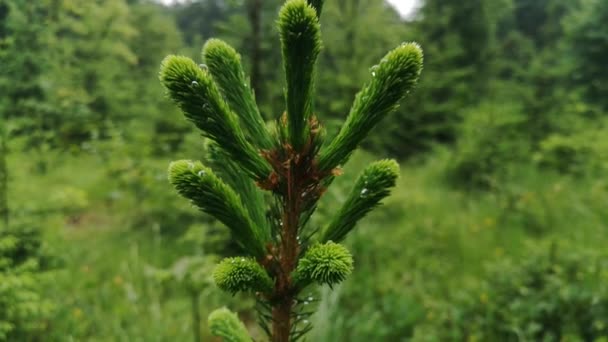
{"points": [[22, 40], [588, 34], [286, 170], [457, 40]]}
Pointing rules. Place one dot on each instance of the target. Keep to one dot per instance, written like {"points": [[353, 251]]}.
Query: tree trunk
{"points": [[255, 20], [196, 317], [281, 311]]}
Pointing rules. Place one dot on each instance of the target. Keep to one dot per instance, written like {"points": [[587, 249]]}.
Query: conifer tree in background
{"points": [[588, 34], [251, 30], [22, 103], [526, 52], [457, 40], [281, 253], [345, 65]]}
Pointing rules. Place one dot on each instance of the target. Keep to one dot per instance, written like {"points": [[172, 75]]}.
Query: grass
{"points": [[412, 256], [431, 242]]}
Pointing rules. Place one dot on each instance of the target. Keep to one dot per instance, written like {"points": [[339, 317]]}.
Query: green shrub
{"points": [[490, 140], [23, 309], [583, 151], [555, 294]]}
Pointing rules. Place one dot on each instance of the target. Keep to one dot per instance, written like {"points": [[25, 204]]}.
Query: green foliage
{"points": [[392, 79], [241, 274], [252, 30], [588, 34], [458, 44], [23, 40], [194, 90], [412, 263], [317, 5], [227, 325], [551, 295], [224, 64], [250, 194], [95, 39], [71, 59], [343, 67], [372, 186], [210, 194], [328, 263], [581, 153], [300, 173], [512, 87], [121, 273], [24, 308], [491, 137], [301, 43], [200, 19]]}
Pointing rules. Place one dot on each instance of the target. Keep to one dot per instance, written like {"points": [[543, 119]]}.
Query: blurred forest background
{"points": [[496, 231]]}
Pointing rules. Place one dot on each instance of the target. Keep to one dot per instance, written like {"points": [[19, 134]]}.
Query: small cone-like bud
{"points": [[241, 274], [226, 324], [328, 263]]}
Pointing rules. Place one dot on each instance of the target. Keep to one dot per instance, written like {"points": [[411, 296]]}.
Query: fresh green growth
{"points": [[280, 255], [328, 263], [224, 64], [301, 41], [226, 325], [371, 187], [392, 79], [198, 96], [210, 194], [230, 172], [241, 274]]}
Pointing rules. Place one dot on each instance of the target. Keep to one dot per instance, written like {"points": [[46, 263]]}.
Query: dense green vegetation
{"points": [[496, 230]]}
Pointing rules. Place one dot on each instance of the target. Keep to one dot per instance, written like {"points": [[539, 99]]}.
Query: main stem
{"points": [[281, 311]]}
